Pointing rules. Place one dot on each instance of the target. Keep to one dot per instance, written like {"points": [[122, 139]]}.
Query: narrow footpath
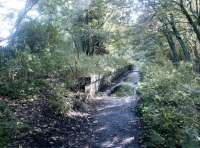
{"points": [[117, 124], [112, 124]]}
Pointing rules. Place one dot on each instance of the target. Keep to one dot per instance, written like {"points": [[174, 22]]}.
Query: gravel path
{"points": [[117, 125]]}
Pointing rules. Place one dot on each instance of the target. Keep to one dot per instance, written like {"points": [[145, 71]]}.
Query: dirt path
{"points": [[114, 124], [117, 125]]}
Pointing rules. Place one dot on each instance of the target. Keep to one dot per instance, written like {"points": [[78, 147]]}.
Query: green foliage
{"points": [[124, 90], [101, 64], [90, 36], [22, 76], [169, 109], [29, 73], [49, 66], [36, 36], [60, 100], [7, 124]]}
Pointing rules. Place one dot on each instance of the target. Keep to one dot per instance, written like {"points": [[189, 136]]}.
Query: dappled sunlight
{"points": [[76, 114], [107, 107], [117, 142], [100, 129], [119, 102], [127, 141], [107, 144], [117, 124], [99, 73]]}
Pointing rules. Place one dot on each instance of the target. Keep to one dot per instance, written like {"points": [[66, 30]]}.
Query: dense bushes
{"points": [[30, 75], [21, 76], [60, 100], [170, 106], [7, 123], [36, 36]]}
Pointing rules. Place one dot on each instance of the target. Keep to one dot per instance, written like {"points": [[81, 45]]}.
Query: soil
{"points": [[111, 123]]}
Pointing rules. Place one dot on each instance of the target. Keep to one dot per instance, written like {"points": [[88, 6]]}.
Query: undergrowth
{"points": [[170, 106], [124, 90], [53, 75], [7, 124]]}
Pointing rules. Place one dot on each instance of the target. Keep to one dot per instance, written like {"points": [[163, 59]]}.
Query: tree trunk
{"points": [[190, 20], [180, 40], [172, 46], [28, 7]]}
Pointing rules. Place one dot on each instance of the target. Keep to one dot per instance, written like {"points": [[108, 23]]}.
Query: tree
{"points": [[164, 12], [36, 36], [88, 29], [28, 7]]}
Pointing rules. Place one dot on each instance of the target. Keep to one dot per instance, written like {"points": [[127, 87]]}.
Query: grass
{"points": [[124, 90]]}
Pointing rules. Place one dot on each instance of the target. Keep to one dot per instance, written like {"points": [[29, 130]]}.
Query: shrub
{"points": [[169, 110], [36, 36], [59, 99], [124, 90], [30, 75], [20, 77], [7, 124]]}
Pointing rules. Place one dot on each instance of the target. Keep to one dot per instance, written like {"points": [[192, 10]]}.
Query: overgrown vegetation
{"points": [[50, 55], [46, 57], [7, 123], [170, 106], [124, 90], [170, 87]]}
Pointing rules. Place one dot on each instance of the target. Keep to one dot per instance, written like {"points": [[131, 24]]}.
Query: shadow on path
{"points": [[116, 122]]}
